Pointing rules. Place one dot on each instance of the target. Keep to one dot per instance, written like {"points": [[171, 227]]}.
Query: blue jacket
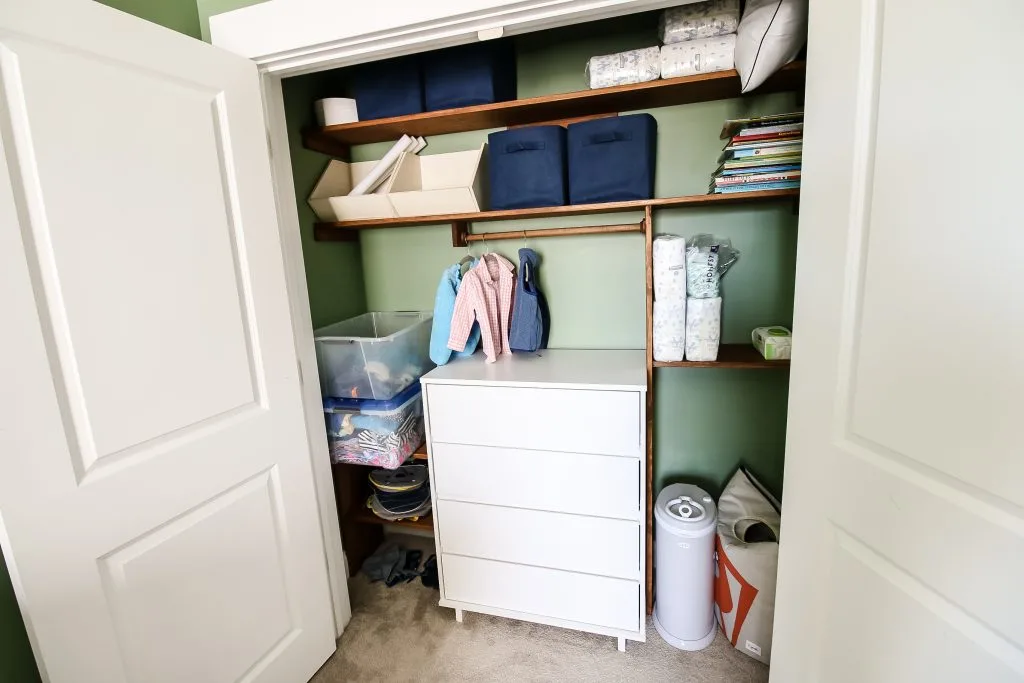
{"points": [[444, 307]]}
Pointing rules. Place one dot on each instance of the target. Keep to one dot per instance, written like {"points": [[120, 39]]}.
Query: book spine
{"points": [[759, 178], [754, 187], [761, 130], [764, 151]]}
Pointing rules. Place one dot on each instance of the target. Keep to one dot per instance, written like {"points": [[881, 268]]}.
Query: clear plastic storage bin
{"points": [[374, 355], [378, 433]]}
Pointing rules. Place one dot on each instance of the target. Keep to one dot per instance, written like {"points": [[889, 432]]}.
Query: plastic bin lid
{"points": [[365, 404], [686, 510]]}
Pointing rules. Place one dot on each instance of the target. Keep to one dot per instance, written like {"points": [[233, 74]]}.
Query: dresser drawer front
{"points": [[581, 598], [603, 422], [609, 547], [602, 485]]}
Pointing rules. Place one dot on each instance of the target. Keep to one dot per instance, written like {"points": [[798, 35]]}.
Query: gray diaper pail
{"points": [[685, 519]]}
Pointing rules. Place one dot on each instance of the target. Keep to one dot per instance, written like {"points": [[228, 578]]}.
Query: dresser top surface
{"points": [[549, 368]]}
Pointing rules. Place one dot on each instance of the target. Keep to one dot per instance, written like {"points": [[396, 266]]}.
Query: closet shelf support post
{"points": [[460, 231]]}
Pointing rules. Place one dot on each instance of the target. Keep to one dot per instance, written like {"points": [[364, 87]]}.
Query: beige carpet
{"points": [[400, 634]]}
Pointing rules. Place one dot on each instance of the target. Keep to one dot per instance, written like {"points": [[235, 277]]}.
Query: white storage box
{"points": [[374, 355], [330, 203], [439, 183]]}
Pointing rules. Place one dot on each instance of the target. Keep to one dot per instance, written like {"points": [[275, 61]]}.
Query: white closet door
{"points": [[903, 514], [157, 506]]}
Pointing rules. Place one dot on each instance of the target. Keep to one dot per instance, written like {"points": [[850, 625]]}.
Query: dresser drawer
{"points": [[602, 485], [581, 598], [581, 421], [609, 547]]}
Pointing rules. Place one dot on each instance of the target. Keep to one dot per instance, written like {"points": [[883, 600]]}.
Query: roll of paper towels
{"points": [[334, 111], [703, 328]]}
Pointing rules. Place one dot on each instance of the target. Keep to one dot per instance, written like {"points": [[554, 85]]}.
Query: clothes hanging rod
{"points": [[555, 232]]}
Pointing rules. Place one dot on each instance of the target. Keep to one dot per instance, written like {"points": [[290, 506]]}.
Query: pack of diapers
{"points": [[623, 68]]}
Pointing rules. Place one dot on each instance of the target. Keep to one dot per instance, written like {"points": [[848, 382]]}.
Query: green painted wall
{"points": [[707, 421], [180, 15], [334, 271], [17, 664], [207, 8]]}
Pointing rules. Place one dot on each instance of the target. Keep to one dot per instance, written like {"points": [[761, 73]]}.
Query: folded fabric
{"points": [[669, 257], [703, 328], [444, 307], [669, 330]]}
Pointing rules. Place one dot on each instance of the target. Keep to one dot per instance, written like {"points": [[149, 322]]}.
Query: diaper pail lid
{"points": [[686, 510]]}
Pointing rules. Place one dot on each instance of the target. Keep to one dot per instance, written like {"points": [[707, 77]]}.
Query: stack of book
{"points": [[763, 153]]}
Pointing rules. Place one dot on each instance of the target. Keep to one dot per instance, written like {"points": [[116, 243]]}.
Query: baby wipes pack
{"points": [[774, 343]]}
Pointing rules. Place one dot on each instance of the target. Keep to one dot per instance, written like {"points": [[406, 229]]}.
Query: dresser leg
{"points": [[458, 615], [622, 644]]}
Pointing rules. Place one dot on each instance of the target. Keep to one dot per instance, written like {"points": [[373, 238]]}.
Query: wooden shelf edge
{"points": [[364, 515], [583, 103], [730, 356], [421, 452], [345, 230]]}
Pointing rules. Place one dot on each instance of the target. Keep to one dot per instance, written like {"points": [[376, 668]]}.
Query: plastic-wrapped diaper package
{"points": [[700, 20], [698, 56], [703, 328], [622, 68], [669, 265], [670, 330], [707, 260]]}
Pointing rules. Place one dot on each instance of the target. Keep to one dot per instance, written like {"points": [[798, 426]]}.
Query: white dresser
{"points": [[537, 475]]}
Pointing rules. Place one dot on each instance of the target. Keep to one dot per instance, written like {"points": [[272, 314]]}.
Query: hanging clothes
{"points": [[530, 320], [444, 308], [486, 296]]}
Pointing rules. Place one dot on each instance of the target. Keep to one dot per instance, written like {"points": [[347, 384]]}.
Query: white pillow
{"points": [[770, 35]]}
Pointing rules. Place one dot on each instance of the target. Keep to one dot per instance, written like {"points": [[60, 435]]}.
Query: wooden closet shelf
{"points": [[739, 356], [345, 231], [660, 93], [364, 515], [421, 452]]}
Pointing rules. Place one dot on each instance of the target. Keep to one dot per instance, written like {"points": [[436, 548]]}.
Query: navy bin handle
{"points": [[523, 146], [610, 136]]}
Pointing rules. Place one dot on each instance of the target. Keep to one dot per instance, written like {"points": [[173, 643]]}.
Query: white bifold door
{"points": [[157, 503], [902, 556]]}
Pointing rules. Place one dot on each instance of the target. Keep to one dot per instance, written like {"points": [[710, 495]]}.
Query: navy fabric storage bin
{"points": [[479, 73], [612, 159], [527, 167], [393, 87]]}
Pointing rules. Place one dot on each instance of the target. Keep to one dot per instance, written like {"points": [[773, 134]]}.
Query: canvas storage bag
{"points": [[747, 557]]}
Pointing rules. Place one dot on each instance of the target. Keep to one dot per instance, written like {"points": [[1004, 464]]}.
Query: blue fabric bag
{"points": [[393, 87], [463, 76], [612, 159], [530, 317], [527, 167]]}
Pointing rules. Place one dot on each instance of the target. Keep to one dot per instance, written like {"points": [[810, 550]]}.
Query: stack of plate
{"points": [[402, 493]]}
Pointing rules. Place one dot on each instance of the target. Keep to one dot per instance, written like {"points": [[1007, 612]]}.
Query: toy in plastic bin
{"points": [[379, 433]]}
